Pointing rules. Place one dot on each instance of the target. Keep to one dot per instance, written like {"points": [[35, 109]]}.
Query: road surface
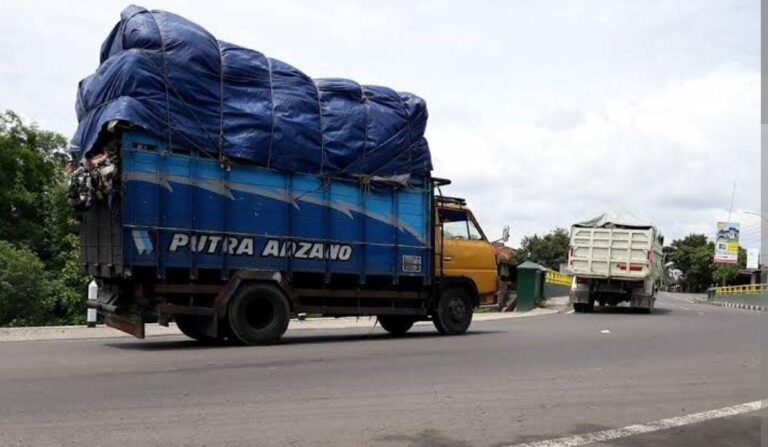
{"points": [[505, 383]]}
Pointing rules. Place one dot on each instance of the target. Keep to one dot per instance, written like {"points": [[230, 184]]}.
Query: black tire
{"points": [[192, 327], [583, 308], [453, 312], [396, 325], [258, 314]]}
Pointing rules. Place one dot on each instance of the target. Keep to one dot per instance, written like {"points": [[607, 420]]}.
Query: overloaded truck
{"points": [[229, 192], [615, 258]]}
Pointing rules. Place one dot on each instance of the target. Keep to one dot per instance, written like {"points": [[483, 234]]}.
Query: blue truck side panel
{"points": [[183, 210]]}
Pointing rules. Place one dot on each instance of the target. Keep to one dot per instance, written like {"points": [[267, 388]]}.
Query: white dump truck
{"points": [[615, 257]]}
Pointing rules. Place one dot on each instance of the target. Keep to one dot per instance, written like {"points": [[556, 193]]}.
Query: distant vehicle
{"points": [[615, 258]]}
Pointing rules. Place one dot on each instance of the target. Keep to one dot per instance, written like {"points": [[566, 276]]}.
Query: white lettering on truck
{"points": [[244, 246], [307, 250], [212, 244]]}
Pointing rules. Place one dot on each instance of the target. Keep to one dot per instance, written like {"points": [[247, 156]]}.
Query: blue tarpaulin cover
{"points": [[172, 78]]}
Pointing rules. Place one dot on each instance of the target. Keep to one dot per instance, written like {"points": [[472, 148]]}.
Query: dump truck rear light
{"points": [[632, 268]]}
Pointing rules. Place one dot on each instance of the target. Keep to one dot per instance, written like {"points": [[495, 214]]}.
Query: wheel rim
{"points": [[457, 310]]}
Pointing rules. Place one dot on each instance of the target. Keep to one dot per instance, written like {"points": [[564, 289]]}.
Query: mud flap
{"points": [[132, 324], [642, 301], [579, 295]]}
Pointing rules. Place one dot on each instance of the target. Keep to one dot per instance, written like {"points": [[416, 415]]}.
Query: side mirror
{"points": [[505, 233]]}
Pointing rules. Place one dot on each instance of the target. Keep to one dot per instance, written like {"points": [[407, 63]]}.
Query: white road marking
{"points": [[605, 331], [570, 312], [638, 429]]}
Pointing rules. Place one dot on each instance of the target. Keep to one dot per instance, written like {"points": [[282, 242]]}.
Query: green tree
{"points": [[38, 229], [693, 255], [24, 286], [31, 174], [549, 250]]}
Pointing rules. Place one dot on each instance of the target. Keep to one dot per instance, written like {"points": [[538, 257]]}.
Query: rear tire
{"points": [[258, 314], [453, 313], [396, 325], [583, 308], [192, 327]]}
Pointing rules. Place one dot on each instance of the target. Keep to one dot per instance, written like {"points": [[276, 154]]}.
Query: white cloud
{"points": [[542, 113], [670, 154]]}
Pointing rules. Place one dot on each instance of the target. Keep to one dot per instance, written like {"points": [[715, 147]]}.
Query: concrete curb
{"points": [[154, 330], [739, 305]]}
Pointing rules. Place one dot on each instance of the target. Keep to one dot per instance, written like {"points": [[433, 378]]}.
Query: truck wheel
{"points": [[582, 308], [258, 314], [453, 312], [396, 325], [192, 327]]}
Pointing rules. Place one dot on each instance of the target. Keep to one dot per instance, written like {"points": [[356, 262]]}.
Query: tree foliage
{"points": [[694, 256], [549, 250], [40, 279]]}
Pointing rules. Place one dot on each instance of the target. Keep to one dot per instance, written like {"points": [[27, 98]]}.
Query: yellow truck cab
{"points": [[463, 254]]}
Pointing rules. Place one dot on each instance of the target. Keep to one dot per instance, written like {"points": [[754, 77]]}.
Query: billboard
{"points": [[727, 243], [752, 258]]}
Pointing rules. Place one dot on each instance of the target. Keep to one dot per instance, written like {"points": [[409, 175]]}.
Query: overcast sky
{"points": [[542, 113]]}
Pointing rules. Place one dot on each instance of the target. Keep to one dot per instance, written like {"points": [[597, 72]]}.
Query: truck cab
{"points": [[463, 254]]}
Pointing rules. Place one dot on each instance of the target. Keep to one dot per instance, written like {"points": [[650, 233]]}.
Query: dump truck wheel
{"points": [[191, 326], [258, 314], [579, 308], [396, 325], [453, 313]]}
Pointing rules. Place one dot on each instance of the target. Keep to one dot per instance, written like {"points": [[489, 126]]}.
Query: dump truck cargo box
{"points": [[620, 253]]}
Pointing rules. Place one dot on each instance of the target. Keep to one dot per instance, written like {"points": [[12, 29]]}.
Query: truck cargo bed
{"points": [[619, 253], [184, 211]]}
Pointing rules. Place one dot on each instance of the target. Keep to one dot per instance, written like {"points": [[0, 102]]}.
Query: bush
{"points": [[25, 289]]}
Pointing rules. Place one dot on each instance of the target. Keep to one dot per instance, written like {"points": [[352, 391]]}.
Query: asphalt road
{"points": [[504, 383]]}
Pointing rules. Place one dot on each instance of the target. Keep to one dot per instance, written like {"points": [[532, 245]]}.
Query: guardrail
{"points": [[749, 289], [558, 278]]}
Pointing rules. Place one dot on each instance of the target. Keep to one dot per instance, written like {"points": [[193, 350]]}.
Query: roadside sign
{"points": [[753, 256], [727, 243]]}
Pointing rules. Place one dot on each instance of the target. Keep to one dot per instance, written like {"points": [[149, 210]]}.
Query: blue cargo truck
{"points": [[235, 251], [229, 192]]}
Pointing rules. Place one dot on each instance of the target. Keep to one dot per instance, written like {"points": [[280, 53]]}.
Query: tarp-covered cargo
{"points": [[620, 219], [173, 79]]}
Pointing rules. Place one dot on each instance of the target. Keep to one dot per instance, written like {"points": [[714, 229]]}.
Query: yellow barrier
{"points": [[558, 278], [742, 290]]}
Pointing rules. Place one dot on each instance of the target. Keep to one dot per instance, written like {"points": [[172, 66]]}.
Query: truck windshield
{"points": [[457, 224]]}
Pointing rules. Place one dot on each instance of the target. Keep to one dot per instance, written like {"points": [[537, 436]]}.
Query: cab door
{"points": [[466, 252]]}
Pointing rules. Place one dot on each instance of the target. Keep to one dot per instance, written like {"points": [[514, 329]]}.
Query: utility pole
{"points": [[733, 195], [763, 262]]}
